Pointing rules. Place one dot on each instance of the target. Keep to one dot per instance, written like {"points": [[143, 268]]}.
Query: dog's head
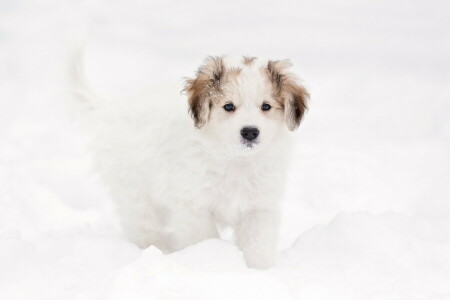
{"points": [[245, 103]]}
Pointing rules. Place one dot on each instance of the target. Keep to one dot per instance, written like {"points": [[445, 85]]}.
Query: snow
{"points": [[367, 209]]}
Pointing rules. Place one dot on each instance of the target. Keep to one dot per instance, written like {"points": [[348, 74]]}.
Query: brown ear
{"points": [[204, 88], [198, 102], [295, 104], [288, 92]]}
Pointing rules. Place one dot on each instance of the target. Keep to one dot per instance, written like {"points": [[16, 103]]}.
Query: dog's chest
{"points": [[234, 190]]}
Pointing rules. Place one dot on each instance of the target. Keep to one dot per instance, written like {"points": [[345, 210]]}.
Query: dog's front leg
{"points": [[257, 235]]}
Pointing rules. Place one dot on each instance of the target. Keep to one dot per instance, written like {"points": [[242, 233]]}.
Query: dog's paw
{"points": [[258, 260]]}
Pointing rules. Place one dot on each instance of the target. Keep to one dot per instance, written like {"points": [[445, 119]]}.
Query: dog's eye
{"points": [[229, 107], [265, 107]]}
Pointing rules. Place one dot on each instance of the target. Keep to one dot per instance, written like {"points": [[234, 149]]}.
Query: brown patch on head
{"points": [[233, 72], [207, 88], [291, 95], [248, 60]]}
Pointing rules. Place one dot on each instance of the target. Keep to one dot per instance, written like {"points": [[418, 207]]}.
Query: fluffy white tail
{"points": [[82, 98]]}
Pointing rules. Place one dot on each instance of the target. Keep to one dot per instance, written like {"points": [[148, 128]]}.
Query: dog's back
{"points": [[139, 143]]}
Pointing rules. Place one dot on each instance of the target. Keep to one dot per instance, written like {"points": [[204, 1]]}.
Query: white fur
{"points": [[174, 183]]}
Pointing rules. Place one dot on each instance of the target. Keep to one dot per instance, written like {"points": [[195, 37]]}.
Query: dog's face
{"points": [[243, 104]]}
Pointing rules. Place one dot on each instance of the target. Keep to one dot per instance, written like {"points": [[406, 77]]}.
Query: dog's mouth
{"points": [[249, 145]]}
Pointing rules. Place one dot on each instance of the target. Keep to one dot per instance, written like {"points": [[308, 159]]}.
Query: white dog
{"points": [[174, 182]]}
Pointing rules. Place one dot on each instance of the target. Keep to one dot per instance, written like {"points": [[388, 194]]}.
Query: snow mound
{"points": [[361, 255], [355, 256], [212, 269]]}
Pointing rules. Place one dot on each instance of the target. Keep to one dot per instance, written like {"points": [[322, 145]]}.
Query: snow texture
{"points": [[367, 209]]}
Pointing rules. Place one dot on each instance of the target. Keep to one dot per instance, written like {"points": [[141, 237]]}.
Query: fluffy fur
{"points": [[174, 182]]}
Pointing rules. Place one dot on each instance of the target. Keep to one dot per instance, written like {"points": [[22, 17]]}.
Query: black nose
{"points": [[249, 133]]}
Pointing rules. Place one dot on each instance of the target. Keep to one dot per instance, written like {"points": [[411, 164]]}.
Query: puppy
{"points": [[175, 182]]}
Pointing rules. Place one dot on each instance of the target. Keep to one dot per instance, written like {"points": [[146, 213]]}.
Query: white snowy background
{"points": [[367, 208]]}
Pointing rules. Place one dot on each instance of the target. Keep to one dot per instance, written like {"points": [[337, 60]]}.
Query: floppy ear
{"points": [[202, 89], [198, 102], [295, 104], [289, 92]]}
